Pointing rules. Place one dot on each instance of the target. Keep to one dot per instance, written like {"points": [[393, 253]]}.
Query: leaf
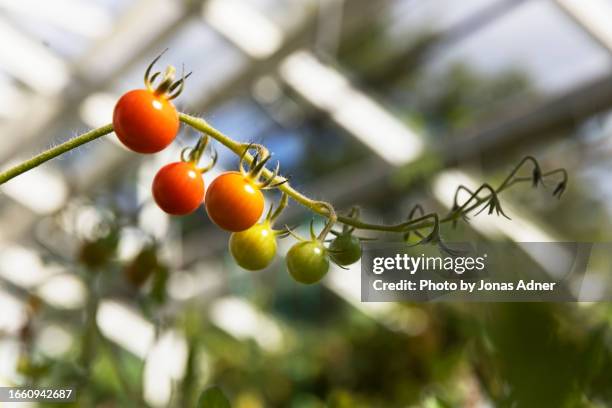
{"points": [[213, 397]]}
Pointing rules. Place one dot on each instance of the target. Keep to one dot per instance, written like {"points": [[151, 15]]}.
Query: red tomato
{"points": [[233, 202], [145, 122], [178, 188]]}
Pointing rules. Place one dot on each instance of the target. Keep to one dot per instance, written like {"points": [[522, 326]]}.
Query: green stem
{"points": [[54, 152], [238, 148], [316, 206], [241, 150]]}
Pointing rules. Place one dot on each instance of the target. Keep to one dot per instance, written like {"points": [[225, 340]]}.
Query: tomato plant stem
{"points": [[475, 201], [322, 208], [54, 152], [238, 148]]}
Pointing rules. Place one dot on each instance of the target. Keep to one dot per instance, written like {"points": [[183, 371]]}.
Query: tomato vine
{"points": [[145, 113]]}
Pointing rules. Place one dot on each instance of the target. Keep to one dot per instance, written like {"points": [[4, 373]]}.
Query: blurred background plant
{"points": [[378, 103]]}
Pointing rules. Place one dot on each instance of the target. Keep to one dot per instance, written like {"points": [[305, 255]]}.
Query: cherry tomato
{"points": [[145, 122], [142, 267], [254, 248], [345, 249], [178, 188], [308, 261], [233, 202]]}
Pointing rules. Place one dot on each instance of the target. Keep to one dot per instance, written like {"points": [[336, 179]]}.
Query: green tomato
{"points": [[254, 248], [308, 261], [345, 249]]}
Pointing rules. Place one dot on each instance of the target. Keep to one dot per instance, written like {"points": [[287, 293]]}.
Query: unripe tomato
{"points": [[96, 253], [308, 261], [145, 122], [178, 188], [254, 248], [345, 249], [233, 202], [142, 267]]}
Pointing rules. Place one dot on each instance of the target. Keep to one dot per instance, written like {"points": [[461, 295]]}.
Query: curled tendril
{"points": [[560, 189], [489, 202], [561, 185], [477, 201], [537, 176]]}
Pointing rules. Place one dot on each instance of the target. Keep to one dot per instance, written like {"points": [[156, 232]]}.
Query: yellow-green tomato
{"points": [[308, 261], [254, 248]]}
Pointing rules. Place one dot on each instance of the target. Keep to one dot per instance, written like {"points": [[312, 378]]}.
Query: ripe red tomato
{"points": [[145, 122], [233, 202], [178, 188]]}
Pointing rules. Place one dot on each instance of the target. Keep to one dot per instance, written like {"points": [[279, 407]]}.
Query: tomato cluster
{"points": [[308, 260], [146, 121]]}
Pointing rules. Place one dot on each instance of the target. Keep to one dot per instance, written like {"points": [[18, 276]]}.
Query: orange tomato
{"points": [[145, 122], [233, 202]]}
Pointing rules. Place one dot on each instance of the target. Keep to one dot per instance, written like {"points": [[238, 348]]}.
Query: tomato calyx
{"points": [[256, 167], [327, 229], [272, 215], [168, 87], [194, 154]]}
